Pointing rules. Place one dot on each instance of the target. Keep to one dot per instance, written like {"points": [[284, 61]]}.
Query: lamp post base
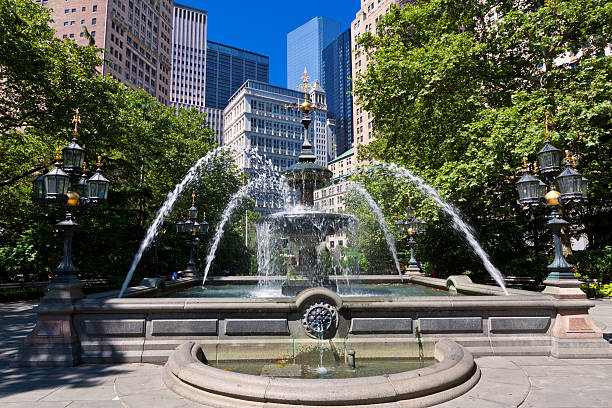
{"points": [[54, 342], [564, 288], [413, 270]]}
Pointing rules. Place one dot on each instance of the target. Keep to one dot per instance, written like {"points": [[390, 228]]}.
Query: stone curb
{"points": [[452, 376]]}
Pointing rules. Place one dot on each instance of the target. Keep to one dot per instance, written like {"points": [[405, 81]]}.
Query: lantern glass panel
{"points": [[585, 187], [543, 189], [180, 227], [56, 183], [73, 156], [192, 212], [203, 227], [549, 158], [189, 226], [38, 194], [81, 188]]}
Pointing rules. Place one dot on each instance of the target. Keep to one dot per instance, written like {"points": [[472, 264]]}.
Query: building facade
{"points": [[365, 21], [188, 58], [337, 82], [228, 68], [214, 117], [135, 34], [305, 46], [331, 198], [256, 118]]}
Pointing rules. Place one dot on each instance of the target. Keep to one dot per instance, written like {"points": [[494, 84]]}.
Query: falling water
{"points": [[166, 208], [227, 213], [458, 223], [381, 222], [268, 180]]}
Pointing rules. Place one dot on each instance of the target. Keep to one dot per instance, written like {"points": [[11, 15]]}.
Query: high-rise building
{"points": [[256, 117], [371, 11], [227, 69], [305, 46], [337, 82], [188, 58], [135, 35]]}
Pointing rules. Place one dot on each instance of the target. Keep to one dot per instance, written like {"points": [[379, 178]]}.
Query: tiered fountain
{"points": [[300, 232]]}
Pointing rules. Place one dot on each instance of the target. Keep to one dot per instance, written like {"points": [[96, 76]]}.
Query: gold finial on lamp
{"points": [[76, 119], [193, 197], [525, 165], [99, 163], [58, 155], [535, 167], [546, 124]]}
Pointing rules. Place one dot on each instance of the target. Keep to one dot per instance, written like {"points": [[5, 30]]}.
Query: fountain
{"points": [[437, 331], [302, 227]]}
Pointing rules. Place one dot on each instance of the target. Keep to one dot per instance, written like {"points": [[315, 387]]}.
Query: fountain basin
{"points": [[187, 374], [309, 223]]}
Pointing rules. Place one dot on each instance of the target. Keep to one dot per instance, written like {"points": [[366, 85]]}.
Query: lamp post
{"points": [[411, 226], [192, 228], [54, 340], [558, 190], [67, 184]]}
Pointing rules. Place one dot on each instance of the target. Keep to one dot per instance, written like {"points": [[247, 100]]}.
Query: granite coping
{"points": [[455, 367]]}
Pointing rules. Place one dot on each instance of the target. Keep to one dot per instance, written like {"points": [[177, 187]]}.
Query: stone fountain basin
{"points": [[455, 373], [309, 223]]}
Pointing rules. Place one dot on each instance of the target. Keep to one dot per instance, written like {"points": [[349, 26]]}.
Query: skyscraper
{"points": [[371, 11], [336, 81], [227, 69], [305, 47], [134, 34], [188, 57]]}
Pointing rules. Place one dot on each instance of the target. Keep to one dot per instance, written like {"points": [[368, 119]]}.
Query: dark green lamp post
{"points": [[411, 226], [558, 191], [192, 228]]}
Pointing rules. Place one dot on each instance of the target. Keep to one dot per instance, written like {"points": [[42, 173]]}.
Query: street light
{"points": [[192, 228], [411, 226], [555, 192], [62, 185]]}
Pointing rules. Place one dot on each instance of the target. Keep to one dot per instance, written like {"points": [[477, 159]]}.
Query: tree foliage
{"points": [[146, 149], [460, 91]]}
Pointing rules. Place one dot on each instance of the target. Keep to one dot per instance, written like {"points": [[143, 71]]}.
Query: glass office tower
{"points": [[336, 80], [305, 46], [227, 68]]}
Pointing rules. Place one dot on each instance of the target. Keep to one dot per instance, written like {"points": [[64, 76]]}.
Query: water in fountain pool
{"points": [[352, 290]]}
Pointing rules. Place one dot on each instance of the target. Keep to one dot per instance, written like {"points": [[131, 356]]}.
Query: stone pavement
{"points": [[525, 382]]}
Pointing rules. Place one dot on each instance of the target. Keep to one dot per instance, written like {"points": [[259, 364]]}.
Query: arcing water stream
{"points": [[381, 222], [458, 223], [165, 209]]}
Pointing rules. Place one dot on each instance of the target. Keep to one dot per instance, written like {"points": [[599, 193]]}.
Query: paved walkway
{"points": [[525, 382]]}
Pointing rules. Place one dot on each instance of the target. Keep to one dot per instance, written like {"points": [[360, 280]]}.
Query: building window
{"points": [[93, 21], [95, 8], [65, 23], [82, 8]]}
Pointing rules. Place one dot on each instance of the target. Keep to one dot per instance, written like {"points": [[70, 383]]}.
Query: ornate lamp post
{"points": [[192, 228], [67, 184], [411, 226], [53, 342], [557, 190]]}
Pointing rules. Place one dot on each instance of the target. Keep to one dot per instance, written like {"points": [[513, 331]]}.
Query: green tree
{"points": [[460, 91], [146, 149]]}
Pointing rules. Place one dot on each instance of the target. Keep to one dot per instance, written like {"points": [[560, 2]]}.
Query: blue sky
{"points": [[262, 26]]}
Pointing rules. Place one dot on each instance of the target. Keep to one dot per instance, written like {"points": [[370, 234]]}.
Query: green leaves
{"points": [[459, 91]]}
